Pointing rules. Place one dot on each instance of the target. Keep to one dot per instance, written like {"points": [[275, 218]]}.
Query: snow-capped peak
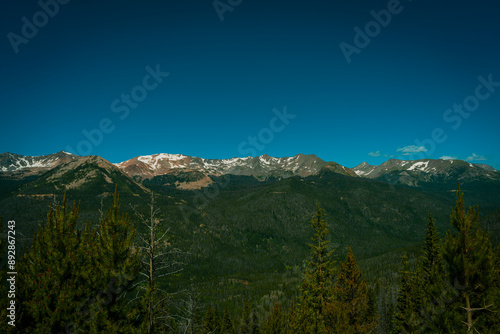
{"points": [[158, 164], [10, 162]]}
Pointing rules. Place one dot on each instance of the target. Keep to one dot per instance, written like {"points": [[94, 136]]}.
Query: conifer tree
{"points": [[246, 320], [116, 258], [227, 323], [433, 265], [55, 274], [211, 321], [433, 282], [353, 307], [316, 287], [292, 317], [406, 316], [470, 263], [492, 319], [275, 322]]}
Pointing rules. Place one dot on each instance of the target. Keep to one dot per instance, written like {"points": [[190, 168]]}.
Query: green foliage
{"points": [[116, 260], [316, 287], [275, 323], [211, 321], [470, 264], [249, 240], [406, 317], [246, 319], [226, 323], [75, 279], [433, 288], [353, 310], [55, 274]]}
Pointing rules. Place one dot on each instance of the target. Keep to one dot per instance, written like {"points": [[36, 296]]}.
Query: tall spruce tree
{"points": [[211, 321], [117, 262], [433, 264], [406, 314], [317, 282], [275, 323], [353, 311], [226, 323], [470, 263], [246, 319], [433, 282], [56, 274]]}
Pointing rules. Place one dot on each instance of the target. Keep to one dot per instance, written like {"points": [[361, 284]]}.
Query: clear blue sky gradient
{"points": [[226, 77]]}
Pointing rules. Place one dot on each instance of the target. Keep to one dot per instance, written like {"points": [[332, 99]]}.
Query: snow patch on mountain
{"points": [[420, 165], [261, 166]]}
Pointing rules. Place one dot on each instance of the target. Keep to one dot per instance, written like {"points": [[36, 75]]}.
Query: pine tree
{"points": [[432, 261], [227, 323], [492, 319], [292, 316], [470, 263], [116, 258], [316, 287], [246, 320], [406, 316], [55, 275], [211, 321], [275, 322], [433, 282], [353, 307]]}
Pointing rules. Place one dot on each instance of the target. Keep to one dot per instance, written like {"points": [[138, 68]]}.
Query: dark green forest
{"points": [[98, 265]]}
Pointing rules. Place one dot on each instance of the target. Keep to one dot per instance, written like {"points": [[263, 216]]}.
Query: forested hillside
{"points": [[246, 256]]}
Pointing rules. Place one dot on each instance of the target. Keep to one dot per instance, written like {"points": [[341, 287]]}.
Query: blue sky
{"points": [[270, 78]]}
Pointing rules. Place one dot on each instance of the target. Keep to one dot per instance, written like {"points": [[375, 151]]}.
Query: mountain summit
{"points": [[20, 166], [416, 172], [261, 167], [187, 171]]}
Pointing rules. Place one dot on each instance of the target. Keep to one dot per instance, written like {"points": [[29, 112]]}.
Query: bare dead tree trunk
{"points": [[157, 262]]}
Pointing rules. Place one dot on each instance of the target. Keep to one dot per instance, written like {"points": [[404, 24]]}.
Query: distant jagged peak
{"points": [[12, 162], [427, 170]]}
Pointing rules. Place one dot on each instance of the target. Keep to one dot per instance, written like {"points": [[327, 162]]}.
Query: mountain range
{"points": [[248, 218], [148, 167], [177, 175], [416, 172]]}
